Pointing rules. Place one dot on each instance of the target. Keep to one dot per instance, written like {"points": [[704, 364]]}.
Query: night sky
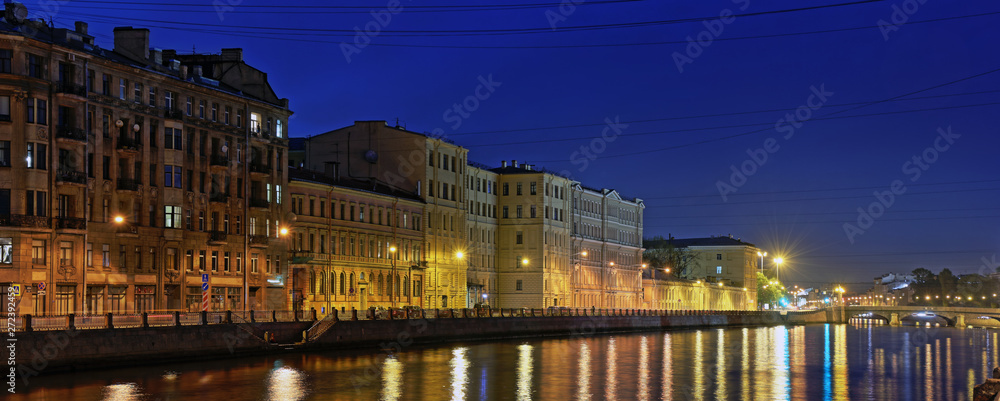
{"points": [[867, 94]]}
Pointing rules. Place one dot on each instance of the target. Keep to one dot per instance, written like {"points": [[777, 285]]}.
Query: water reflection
{"points": [[121, 392], [285, 384], [460, 373], [774, 363], [392, 379], [524, 367], [583, 389]]}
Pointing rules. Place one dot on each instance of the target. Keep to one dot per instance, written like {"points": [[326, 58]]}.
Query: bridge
{"points": [[893, 315]]}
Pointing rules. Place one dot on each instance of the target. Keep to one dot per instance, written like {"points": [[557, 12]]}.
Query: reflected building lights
{"points": [[699, 381], [798, 356], [121, 392], [583, 391], [720, 365], [285, 384], [610, 388], [827, 365], [525, 364], [928, 371], [460, 373], [779, 343], [392, 379], [668, 369], [840, 385], [745, 365], [643, 368]]}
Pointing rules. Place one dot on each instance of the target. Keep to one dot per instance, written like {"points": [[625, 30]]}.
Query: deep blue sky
{"points": [[834, 164]]}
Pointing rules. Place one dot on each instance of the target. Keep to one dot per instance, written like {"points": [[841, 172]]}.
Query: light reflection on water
{"points": [[818, 362]]}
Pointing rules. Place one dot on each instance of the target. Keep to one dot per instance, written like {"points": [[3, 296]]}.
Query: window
{"points": [[106, 255], [278, 129], [225, 115], [105, 84], [718, 256], [506, 189], [188, 105], [520, 211], [520, 285], [37, 66], [152, 96], [36, 111], [533, 211], [519, 188], [5, 58], [505, 214], [215, 261], [225, 261], [4, 108], [201, 109], [201, 260], [520, 238], [122, 88], [38, 252], [35, 204], [255, 123], [4, 153], [168, 100], [172, 138], [718, 270], [137, 92], [533, 188], [215, 112], [239, 118], [189, 260], [172, 217]]}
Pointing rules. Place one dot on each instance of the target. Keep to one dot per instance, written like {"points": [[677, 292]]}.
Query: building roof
{"points": [[687, 242], [397, 127], [373, 186]]}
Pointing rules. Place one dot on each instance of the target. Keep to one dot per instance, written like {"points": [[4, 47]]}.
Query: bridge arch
{"points": [[870, 315]]}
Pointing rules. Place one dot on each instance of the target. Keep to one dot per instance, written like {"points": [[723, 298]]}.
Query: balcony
{"points": [[217, 237], [71, 223], [219, 197], [300, 257], [258, 240], [261, 203], [20, 220], [69, 88], [71, 133], [260, 168], [71, 177], [261, 136], [128, 229], [220, 161], [173, 113], [128, 184], [127, 144]]}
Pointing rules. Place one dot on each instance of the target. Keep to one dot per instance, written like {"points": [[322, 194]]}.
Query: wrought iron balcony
{"points": [[259, 240], [71, 223], [128, 144], [258, 202], [72, 133], [220, 160], [128, 228], [71, 88], [173, 113], [20, 220], [299, 257], [217, 236], [128, 184], [70, 176], [260, 168], [219, 197]]}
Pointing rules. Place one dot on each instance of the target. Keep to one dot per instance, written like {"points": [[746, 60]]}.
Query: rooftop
{"points": [[373, 186], [686, 242]]}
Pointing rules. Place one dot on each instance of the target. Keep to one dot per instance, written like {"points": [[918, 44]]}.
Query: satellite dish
{"points": [[136, 128], [119, 123], [371, 156], [225, 149], [15, 13]]}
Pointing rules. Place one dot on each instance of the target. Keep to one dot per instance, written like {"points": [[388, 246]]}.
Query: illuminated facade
{"points": [[186, 149]]}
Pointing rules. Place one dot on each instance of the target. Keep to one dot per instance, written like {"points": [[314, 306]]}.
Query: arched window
{"points": [[354, 284], [312, 281], [322, 282], [406, 286], [342, 284], [397, 285], [381, 285]]}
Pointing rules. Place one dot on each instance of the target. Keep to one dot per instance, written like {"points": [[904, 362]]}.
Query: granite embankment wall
{"points": [[53, 351]]}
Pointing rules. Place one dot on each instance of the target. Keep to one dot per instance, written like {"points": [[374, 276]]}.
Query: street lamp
{"points": [[392, 261], [762, 255], [777, 267]]}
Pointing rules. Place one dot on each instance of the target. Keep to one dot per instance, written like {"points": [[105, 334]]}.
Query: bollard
{"points": [[27, 323], [145, 320], [354, 313], [71, 321], [314, 314], [177, 319], [253, 317], [332, 312], [107, 321], [274, 316], [229, 317], [204, 318]]}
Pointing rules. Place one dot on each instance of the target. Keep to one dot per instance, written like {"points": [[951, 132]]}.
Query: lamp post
{"points": [[392, 261], [283, 233], [761, 255], [576, 271], [777, 267]]}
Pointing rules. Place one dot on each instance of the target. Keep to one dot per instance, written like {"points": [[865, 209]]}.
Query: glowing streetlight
{"points": [[612, 264], [524, 261], [459, 254], [762, 255], [283, 231], [584, 253]]}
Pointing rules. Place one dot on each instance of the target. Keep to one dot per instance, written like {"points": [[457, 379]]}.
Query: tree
{"points": [[664, 255], [923, 275], [768, 291]]}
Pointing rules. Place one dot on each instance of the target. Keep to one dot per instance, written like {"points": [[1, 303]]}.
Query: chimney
{"points": [[157, 56], [503, 164], [184, 72], [196, 71], [232, 54], [174, 65], [513, 163], [81, 27], [527, 167], [132, 43]]}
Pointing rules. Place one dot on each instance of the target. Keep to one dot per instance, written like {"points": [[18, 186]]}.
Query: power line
{"points": [[285, 9], [769, 124], [767, 129], [648, 218], [908, 194], [366, 8], [821, 190], [813, 222], [503, 31]]}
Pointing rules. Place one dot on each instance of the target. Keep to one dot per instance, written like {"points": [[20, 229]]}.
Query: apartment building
{"points": [[718, 260], [127, 174], [481, 188], [354, 244], [433, 168], [606, 248]]}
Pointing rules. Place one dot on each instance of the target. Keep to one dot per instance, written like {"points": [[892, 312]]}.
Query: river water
{"points": [[814, 362]]}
